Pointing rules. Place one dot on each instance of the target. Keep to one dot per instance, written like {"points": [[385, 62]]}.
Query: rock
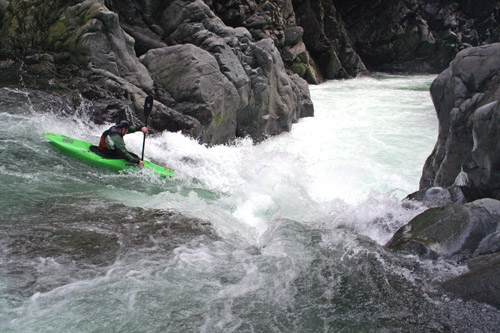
{"points": [[93, 34], [200, 87], [416, 36], [438, 196], [273, 19], [293, 35], [454, 231], [3, 8], [466, 100], [327, 39], [244, 80], [137, 18], [481, 282]]}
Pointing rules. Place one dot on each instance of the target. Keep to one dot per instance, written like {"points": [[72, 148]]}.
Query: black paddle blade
{"points": [[148, 106]]}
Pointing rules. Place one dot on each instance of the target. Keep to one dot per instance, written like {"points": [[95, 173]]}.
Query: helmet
{"points": [[123, 123]]}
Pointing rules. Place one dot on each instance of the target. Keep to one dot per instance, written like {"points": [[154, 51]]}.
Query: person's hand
{"points": [[144, 130], [141, 164]]}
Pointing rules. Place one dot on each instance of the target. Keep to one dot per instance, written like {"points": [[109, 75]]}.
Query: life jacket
{"points": [[102, 142]]}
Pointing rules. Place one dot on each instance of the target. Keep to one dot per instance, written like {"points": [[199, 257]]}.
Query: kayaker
{"points": [[112, 145]]}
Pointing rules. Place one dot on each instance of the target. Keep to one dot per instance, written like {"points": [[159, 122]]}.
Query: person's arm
{"points": [[133, 129]]}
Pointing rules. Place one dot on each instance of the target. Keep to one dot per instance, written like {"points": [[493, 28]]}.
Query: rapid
{"points": [[282, 236]]}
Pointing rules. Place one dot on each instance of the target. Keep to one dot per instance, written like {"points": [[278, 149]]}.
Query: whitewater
{"points": [[282, 236]]}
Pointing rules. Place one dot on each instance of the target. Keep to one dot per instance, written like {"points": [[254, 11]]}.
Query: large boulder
{"points": [[466, 100], [199, 87], [235, 87], [454, 231]]}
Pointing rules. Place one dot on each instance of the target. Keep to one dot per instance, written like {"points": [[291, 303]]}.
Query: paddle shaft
{"points": [[148, 106]]}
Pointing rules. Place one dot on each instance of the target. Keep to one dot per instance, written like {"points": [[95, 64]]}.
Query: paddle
{"points": [[148, 106]]}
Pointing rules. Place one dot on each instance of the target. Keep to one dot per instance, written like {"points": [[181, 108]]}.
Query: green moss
{"points": [[333, 67], [300, 69], [311, 76]]}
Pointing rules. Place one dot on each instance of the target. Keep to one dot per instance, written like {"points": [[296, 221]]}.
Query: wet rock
{"points": [[233, 86], [466, 99], [438, 196], [415, 36], [275, 19], [204, 92], [327, 40], [481, 282], [66, 242], [454, 231], [83, 49]]}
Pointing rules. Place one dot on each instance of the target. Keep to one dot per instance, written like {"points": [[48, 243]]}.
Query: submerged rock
{"points": [[66, 241]]}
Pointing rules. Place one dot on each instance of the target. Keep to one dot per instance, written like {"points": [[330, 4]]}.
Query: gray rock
{"points": [[438, 196], [276, 20], [193, 78], [466, 99], [481, 283], [99, 40], [245, 89], [417, 36], [327, 38], [217, 85], [454, 231], [293, 35]]}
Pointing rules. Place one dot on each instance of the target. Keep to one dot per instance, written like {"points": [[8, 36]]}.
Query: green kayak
{"points": [[83, 151]]}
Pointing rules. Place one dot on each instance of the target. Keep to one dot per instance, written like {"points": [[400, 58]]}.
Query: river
{"points": [[283, 236]]}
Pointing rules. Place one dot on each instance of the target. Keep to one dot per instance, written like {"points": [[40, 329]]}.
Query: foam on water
{"points": [[298, 220], [369, 138]]}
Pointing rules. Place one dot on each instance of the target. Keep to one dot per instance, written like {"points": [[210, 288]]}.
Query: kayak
{"points": [[84, 151]]}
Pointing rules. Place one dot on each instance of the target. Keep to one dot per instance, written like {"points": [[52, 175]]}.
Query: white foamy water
{"points": [[290, 238], [366, 145]]}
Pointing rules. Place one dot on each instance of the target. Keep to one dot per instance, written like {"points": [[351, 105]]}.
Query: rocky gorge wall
{"points": [[253, 55], [211, 81]]}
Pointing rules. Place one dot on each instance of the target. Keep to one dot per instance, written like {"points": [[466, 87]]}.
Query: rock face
{"points": [[466, 98], [331, 39], [241, 87], [469, 233], [481, 283], [327, 39], [454, 231], [275, 19], [211, 81], [417, 35], [463, 167]]}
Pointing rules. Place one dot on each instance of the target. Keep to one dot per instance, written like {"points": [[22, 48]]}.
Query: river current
{"points": [[283, 236]]}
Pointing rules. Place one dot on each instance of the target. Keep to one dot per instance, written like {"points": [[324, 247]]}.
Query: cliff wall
{"points": [[254, 56]]}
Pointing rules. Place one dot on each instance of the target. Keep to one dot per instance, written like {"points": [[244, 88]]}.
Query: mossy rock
{"points": [[454, 231], [299, 68]]}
